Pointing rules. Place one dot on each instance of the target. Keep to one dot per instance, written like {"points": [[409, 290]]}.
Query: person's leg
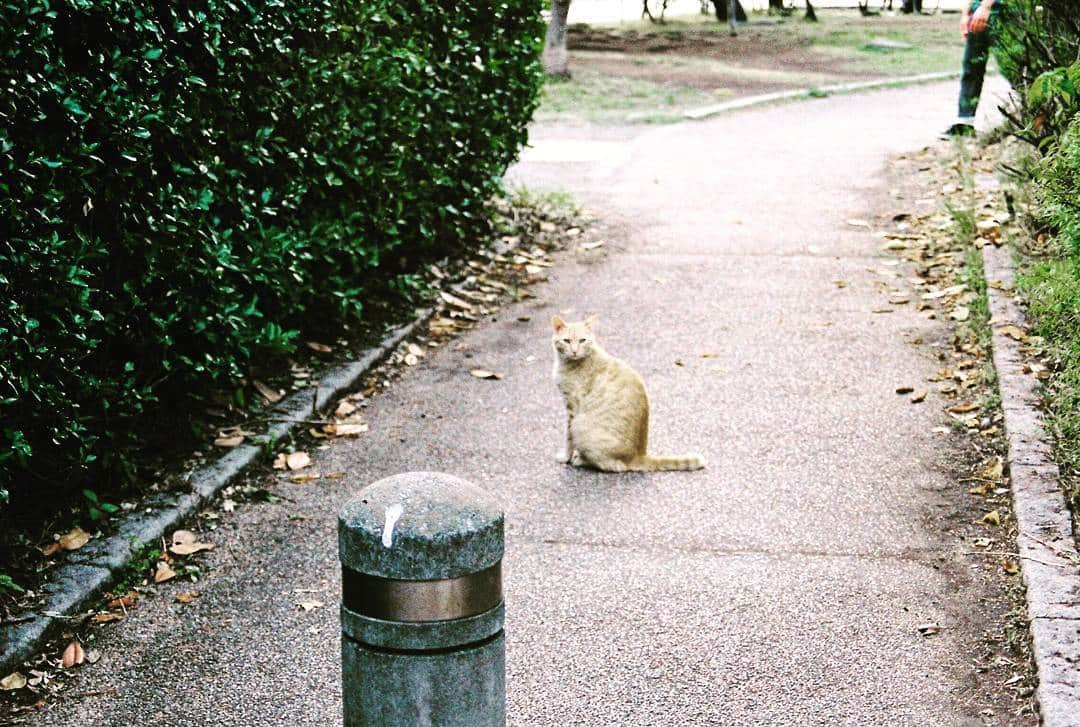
{"points": [[973, 69]]}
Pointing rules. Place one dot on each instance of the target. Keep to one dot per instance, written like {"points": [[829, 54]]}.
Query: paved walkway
{"points": [[782, 585]]}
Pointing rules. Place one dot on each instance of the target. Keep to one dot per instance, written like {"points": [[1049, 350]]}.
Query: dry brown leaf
{"points": [[929, 629], [186, 596], [163, 573], [303, 477], [586, 246], [991, 518], [1010, 566], [904, 389], [281, 461], [14, 680], [184, 542], [73, 655], [1013, 332], [272, 396], [334, 475], [960, 313], [840, 283], [51, 549], [318, 347], [919, 397], [298, 460], [858, 223], [229, 441], [107, 616], [345, 430], [454, 301], [964, 408], [344, 409], [126, 601], [484, 374], [74, 539]]}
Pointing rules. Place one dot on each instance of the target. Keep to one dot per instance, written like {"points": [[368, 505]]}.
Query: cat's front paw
{"points": [[562, 457]]}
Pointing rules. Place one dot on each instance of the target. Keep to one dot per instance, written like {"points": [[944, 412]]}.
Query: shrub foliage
{"points": [[1037, 41], [186, 185]]}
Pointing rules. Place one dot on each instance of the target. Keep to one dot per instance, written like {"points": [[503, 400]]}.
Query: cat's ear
{"points": [[591, 322], [558, 324]]}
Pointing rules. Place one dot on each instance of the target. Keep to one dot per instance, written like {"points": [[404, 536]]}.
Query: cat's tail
{"points": [[650, 463]]}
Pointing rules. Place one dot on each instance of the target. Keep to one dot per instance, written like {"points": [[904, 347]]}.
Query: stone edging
{"points": [[1045, 542], [742, 103], [86, 573]]}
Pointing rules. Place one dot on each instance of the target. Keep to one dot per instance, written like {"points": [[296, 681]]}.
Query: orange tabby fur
{"points": [[606, 405]]}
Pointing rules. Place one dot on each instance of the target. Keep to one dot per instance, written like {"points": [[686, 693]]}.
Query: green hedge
{"points": [[186, 185]]}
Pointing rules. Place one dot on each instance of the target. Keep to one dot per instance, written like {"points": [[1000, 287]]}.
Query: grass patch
{"points": [[1052, 289], [600, 98]]}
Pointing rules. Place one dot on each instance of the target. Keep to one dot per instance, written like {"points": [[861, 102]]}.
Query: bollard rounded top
{"points": [[420, 526]]}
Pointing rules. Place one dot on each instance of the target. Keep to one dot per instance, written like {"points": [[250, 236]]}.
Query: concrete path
{"points": [[782, 585]]}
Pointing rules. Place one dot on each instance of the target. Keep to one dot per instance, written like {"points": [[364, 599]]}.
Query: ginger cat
{"points": [[606, 405]]}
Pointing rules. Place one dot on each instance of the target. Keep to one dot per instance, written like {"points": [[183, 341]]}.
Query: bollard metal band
{"points": [[391, 599]]}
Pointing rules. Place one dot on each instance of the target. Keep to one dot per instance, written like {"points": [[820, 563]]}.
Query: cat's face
{"points": [[573, 340]]}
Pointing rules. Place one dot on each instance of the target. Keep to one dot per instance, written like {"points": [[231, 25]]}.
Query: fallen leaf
{"points": [[858, 223], [281, 461], [318, 347], [964, 407], [929, 629], [1013, 332], [163, 573], [953, 290], [126, 601], [73, 655], [991, 518], [304, 477], [272, 396], [334, 475], [919, 396], [186, 596], [184, 542], [74, 539], [229, 441], [411, 360], [484, 374], [983, 542], [345, 430], [960, 313], [591, 245], [840, 283], [455, 301], [904, 389], [344, 409], [107, 617], [1010, 566], [310, 605], [679, 362], [298, 460], [14, 680], [51, 549]]}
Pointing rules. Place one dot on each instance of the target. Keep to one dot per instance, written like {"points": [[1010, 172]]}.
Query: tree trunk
{"points": [[721, 7], [776, 5], [554, 56], [810, 14]]}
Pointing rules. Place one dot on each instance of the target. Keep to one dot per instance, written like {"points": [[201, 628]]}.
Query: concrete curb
{"points": [[742, 103], [1045, 543], [89, 571]]}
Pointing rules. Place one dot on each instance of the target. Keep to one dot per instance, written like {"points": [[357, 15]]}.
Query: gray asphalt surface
{"points": [[784, 584]]}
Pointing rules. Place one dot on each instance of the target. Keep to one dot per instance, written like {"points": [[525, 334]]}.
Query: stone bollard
{"points": [[422, 608]]}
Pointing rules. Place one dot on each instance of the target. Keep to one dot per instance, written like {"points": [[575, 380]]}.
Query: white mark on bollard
{"points": [[392, 514]]}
